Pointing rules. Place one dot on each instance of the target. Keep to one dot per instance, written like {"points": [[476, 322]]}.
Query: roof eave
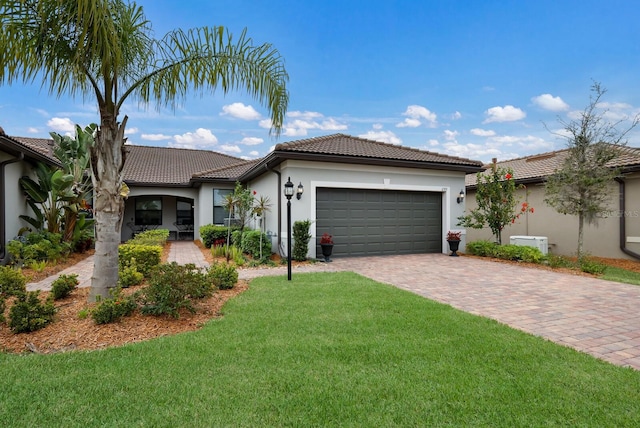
{"points": [[14, 147]]}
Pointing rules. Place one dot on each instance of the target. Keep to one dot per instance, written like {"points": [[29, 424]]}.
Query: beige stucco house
{"points": [[374, 198], [617, 234]]}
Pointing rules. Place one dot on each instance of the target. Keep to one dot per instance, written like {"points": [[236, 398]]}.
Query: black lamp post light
{"points": [[288, 192]]}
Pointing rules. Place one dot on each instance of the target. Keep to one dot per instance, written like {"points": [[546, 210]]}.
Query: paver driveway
{"points": [[599, 317]]}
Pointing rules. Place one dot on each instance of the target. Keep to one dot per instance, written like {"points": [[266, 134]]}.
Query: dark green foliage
{"points": [[2, 308], [172, 287], [113, 309], [589, 265], [12, 281], [213, 235], [481, 248], [128, 274], [147, 257], [236, 238], [251, 244], [63, 286], [38, 246], [223, 275], [301, 237], [28, 313], [157, 237]]}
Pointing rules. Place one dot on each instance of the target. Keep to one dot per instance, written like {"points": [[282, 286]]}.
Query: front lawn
{"points": [[326, 349]]}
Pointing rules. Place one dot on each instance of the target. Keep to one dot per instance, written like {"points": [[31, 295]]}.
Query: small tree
{"points": [[581, 186], [260, 208], [497, 202], [301, 237]]}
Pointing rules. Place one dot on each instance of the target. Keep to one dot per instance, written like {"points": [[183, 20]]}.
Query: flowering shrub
{"points": [[326, 239], [454, 236]]}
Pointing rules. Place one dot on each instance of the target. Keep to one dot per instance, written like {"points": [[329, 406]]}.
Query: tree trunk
{"points": [[580, 234], [107, 161]]}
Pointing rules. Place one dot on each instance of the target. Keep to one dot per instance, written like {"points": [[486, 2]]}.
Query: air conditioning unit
{"points": [[539, 242]]}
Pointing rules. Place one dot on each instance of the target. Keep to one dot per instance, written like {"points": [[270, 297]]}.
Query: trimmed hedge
{"points": [[146, 257], [151, 237], [210, 234], [506, 252]]}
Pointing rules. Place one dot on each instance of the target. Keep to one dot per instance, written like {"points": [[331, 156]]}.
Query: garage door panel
{"points": [[369, 222]]}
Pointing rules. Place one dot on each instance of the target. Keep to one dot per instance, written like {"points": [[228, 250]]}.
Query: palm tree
{"points": [[105, 49]]}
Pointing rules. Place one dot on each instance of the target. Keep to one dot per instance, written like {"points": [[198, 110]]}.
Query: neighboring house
{"points": [[374, 198], [617, 234]]}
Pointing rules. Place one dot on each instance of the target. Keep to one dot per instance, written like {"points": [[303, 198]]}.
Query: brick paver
{"points": [[598, 317]]}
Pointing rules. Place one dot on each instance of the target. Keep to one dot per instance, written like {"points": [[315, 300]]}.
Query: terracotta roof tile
{"points": [[162, 165], [41, 145], [231, 172], [544, 164], [346, 145]]}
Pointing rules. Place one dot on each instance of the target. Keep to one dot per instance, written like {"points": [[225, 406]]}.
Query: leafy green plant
{"points": [[255, 243], [128, 274], [589, 265], [12, 281], [111, 310], [172, 288], [157, 237], [37, 247], [38, 265], [481, 248], [301, 238], [224, 276], [231, 253], [2, 308], [555, 261], [29, 314], [147, 256], [64, 285], [210, 234]]}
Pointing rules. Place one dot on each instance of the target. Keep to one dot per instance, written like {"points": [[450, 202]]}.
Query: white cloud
{"points": [[254, 153], [415, 113], [251, 141], [240, 111], [450, 135], [33, 130], [202, 138], [155, 137], [130, 131], [482, 132], [507, 113], [457, 115], [377, 126], [527, 143], [383, 136], [304, 121], [265, 123], [433, 143], [549, 102], [230, 148], [62, 124]]}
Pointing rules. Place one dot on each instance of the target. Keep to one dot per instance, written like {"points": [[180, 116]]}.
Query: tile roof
{"points": [[43, 146], [347, 145], [171, 166], [536, 167], [231, 172]]}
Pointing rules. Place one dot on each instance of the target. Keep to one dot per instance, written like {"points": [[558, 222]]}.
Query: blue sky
{"points": [[476, 79]]}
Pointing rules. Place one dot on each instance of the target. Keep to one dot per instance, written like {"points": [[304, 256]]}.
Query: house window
{"points": [[184, 211], [220, 215], [149, 211]]}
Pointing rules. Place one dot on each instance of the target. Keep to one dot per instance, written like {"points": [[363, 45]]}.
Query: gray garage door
{"points": [[376, 222]]}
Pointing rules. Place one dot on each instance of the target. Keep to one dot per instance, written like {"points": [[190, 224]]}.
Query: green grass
{"points": [[621, 275], [324, 350]]}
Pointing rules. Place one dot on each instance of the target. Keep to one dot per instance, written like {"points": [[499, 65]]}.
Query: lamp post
{"points": [[288, 192]]}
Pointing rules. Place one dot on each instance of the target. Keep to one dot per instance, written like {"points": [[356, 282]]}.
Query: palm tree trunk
{"points": [[107, 161]]}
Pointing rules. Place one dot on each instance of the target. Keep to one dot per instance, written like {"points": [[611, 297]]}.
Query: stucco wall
{"points": [[15, 201], [562, 230], [313, 175]]}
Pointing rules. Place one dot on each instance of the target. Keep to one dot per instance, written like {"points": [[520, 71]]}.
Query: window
{"points": [[220, 215], [184, 211], [149, 211]]}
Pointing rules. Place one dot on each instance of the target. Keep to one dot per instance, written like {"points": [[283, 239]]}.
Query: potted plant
{"points": [[453, 238], [326, 242]]}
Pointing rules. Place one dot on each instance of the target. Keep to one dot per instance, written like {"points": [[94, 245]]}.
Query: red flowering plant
{"points": [[453, 236], [326, 239], [497, 202]]}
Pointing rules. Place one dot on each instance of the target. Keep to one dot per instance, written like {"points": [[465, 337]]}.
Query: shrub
{"points": [[147, 256], [589, 265], [171, 288], [251, 240], [2, 308], [38, 246], [481, 248], [128, 274], [223, 275], [113, 309], [12, 281], [157, 237], [210, 234], [237, 236], [555, 261], [232, 253], [63, 286], [29, 314], [301, 237]]}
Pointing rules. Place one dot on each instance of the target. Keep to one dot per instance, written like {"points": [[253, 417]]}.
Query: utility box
{"points": [[539, 242]]}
